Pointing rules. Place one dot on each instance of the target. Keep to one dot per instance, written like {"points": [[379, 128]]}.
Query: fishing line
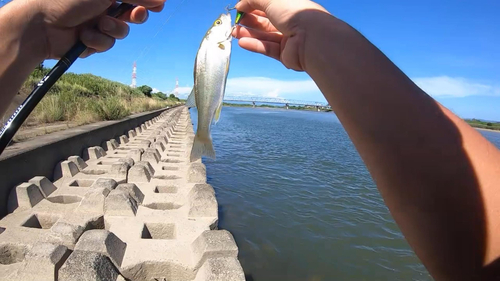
{"points": [[147, 48], [145, 51]]}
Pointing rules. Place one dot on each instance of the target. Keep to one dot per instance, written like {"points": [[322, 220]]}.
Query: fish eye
{"points": [[218, 22]]}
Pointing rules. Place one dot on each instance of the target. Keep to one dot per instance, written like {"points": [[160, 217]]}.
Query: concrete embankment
{"points": [[133, 209]]}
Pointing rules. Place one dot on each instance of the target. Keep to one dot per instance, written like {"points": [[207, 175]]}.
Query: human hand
{"points": [[275, 28], [63, 22]]}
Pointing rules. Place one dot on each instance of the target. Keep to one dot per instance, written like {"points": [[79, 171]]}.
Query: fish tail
{"points": [[202, 146]]}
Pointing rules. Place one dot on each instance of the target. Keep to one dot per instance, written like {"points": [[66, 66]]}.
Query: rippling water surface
{"points": [[298, 199]]}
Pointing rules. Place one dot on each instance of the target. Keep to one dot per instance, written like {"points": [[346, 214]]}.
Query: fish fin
{"points": [[202, 146], [191, 100], [217, 113]]}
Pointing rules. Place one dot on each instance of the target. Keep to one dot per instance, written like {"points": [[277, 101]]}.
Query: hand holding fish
{"points": [[274, 28], [61, 22]]}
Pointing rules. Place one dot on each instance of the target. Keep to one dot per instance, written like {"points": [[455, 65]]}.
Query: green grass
{"points": [[86, 98]]}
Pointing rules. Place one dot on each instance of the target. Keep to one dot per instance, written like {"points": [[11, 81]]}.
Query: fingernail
{"points": [[107, 24], [144, 17]]}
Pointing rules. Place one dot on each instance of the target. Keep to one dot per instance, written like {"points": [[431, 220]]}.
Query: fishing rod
{"points": [[41, 89]]}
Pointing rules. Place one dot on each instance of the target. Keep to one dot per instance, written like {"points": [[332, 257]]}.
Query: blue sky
{"points": [[449, 48]]}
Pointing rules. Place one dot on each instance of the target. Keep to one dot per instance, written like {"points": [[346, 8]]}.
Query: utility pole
{"points": [[134, 76]]}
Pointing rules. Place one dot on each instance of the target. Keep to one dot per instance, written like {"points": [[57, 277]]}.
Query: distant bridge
{"points": [[282, 101]]}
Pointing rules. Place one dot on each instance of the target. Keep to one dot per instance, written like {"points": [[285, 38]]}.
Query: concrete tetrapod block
{"points": [[78, 162], [114, 143], [139, 173], [135, 154], [131, 134], [92, 153], [24, 196], [197, 173], [120, 168], [108, 146], [151, 155], [132, 190], [158, 145], [214, 244], [109, 184], [94, 200], [145, 143], [221, 269], [128, 160], [65, 169], [148, 166], [43, 262], [83, 265], [163, 140], [202, 202], [67, 232], [46, 186], [123, 140], [120, 203], [138, 130], [103, 242]]}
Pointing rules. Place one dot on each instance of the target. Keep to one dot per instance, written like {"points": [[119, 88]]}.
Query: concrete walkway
{"points": [[135, 209]]}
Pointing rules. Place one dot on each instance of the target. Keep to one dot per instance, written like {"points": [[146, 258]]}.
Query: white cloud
{"points": [[268, 87], [444, 86], [155, 91], [184, 91]]}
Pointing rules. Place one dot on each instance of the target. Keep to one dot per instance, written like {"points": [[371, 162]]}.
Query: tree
{"points": [[39, 67], [146, 90], [160, 95], [489, 124], [173, 97]]}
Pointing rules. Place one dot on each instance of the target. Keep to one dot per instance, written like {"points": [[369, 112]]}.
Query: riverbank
{"points": [[80, 99], [484, 125], [489, 130]]}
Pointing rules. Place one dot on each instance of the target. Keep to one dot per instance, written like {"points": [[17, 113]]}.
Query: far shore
{"points": [[483, 129]]}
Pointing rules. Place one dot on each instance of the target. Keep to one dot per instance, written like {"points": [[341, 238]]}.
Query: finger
{"points": [[87, 53], [258, 22], [150, 4], [241, 31], [270, 49], [113, 27], [137, 15], [157, 9], [255, 12], [258, 13], [97, 40]]}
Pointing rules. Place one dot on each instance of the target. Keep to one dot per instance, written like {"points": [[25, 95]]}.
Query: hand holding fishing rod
{"points": [[55, 26]]}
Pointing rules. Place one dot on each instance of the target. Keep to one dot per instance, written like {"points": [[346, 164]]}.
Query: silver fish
{"points": [[210, 76]]}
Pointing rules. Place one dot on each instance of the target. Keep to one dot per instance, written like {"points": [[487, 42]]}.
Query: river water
{"points": [[299, 201]]}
